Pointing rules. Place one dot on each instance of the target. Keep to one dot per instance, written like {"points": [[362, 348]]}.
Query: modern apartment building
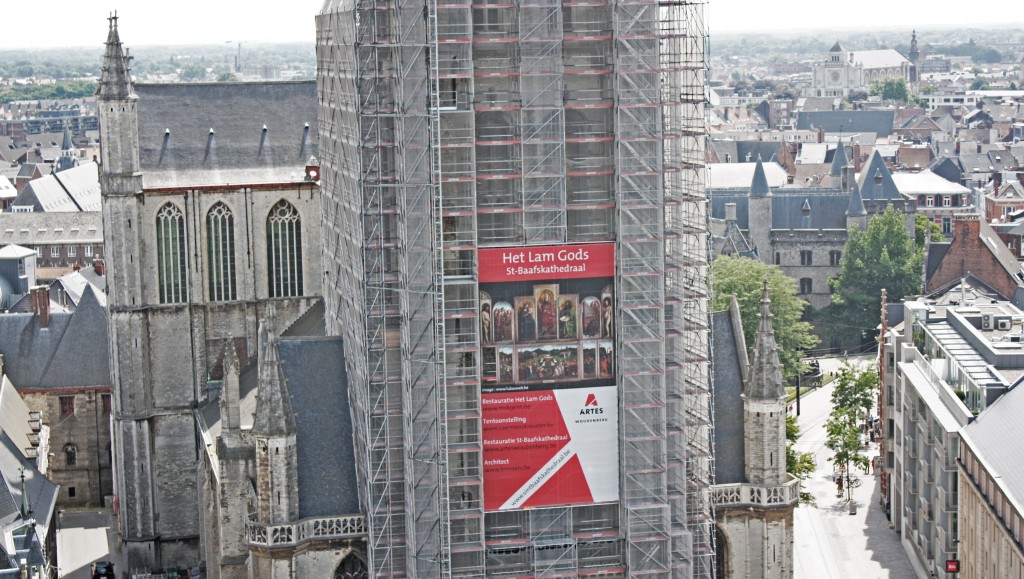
{"points": [[515, 252]]}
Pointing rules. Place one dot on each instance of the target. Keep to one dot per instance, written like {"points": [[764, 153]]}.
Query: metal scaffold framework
{"points": [[449, 126]]}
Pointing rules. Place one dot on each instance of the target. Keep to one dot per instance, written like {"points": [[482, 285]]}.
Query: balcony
{"points": [[742, 494], [318, 528]]}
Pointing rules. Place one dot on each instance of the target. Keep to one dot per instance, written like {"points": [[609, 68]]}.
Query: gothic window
{"points": [[220, 248], [70, 454], [170, 255], [284, 251], [351, 567]]}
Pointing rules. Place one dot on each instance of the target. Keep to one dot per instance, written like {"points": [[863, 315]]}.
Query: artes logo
{"points": [[591, 406]]}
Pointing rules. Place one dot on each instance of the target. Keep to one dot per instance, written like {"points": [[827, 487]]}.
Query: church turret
{"points": [[119, 120], [764, 406], [837, 172], [274, 430], [759, 214], [856, 214], [67, 158], [913, 56]]}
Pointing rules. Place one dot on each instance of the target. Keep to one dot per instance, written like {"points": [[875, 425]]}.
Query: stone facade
{"points": [[169, 316], [79, 421]]}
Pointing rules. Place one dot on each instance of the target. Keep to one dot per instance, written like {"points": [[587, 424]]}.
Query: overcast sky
{"points": [[145, 22]]}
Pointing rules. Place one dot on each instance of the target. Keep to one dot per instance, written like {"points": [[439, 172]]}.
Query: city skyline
{"points": [[75, 24]]}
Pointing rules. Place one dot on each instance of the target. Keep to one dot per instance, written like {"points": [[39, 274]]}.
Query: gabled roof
{"points": [[729, 372], [72, 352], [926, 182], [740, 175], [52, 228], [836, 47], [1009, 191], [885, 58], [876, 183], [76, 189]]}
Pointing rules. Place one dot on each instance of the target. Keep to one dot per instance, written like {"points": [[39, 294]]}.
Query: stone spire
{"points": [[759, 185], [765, 377], [274, 414], [914, 54], [115, 80]]}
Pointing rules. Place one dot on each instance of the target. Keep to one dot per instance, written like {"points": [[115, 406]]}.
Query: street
{"points": [[84, 536], [828, 541]]}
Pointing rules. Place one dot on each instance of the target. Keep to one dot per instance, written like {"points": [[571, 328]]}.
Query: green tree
{"points": [[926, 227], [226, 77], [192, 72], [891, 89], [882, 257], [979, 84], [799, 464], [855, 389], [843, 438], [743, 277]]}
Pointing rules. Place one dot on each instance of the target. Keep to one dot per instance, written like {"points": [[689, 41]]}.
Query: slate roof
{"points": [[14, 414], [828, 208], [72, 352], [933, 258], [745, 151], [728, 370], [987, 436], [76, 189], [1010, 190], [847, 122], [178, 149], [870, 190], [759, 183], [314, 371], [856, 207], [839, 160], [274, 414], [42, 494], [52, 228], [74, 284]]}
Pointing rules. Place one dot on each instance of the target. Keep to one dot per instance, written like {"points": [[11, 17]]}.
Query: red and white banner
{"points": [[547, 262], [550, 404], [550, 447]]}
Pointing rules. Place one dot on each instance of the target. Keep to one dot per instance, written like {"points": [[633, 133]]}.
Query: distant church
{"points": [[846, 71], [229, 401]]}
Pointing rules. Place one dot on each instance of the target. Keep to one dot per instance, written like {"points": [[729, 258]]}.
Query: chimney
{"points": [[41, 304], [97, 266], [821, 134], [730, 212], [997, 182]]}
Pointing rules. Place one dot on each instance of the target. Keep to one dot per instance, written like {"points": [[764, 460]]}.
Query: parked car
{"points": [[103, 569]]}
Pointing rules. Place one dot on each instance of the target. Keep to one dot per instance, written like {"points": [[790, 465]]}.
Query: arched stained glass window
{"points": [[170, 255], [351, 567], [220, 252], [284, 251]]}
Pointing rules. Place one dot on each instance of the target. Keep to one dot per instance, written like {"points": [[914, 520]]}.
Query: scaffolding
{"points": [[447, 126]]}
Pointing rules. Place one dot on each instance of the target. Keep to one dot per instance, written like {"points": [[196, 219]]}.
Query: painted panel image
{"points": [[550, 402]]}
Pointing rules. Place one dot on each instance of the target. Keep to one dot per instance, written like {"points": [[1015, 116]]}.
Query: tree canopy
{"points": [[891, 89], [882, 257], [853, 396], [926, 227], [744, 277]]}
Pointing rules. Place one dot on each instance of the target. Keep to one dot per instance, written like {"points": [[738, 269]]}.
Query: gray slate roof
{"points": [[178, 149], [72, 352], [42, 494], [727, 385], [885, 190], [52, 228], [847, 122], [315, 372], [828, 208], [987, 436]]}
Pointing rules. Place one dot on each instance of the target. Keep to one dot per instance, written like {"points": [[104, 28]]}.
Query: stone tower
{"points": [[759, 218], [121, 186], [856, 214], [277, 481], [764, 407], [914, 55]]}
